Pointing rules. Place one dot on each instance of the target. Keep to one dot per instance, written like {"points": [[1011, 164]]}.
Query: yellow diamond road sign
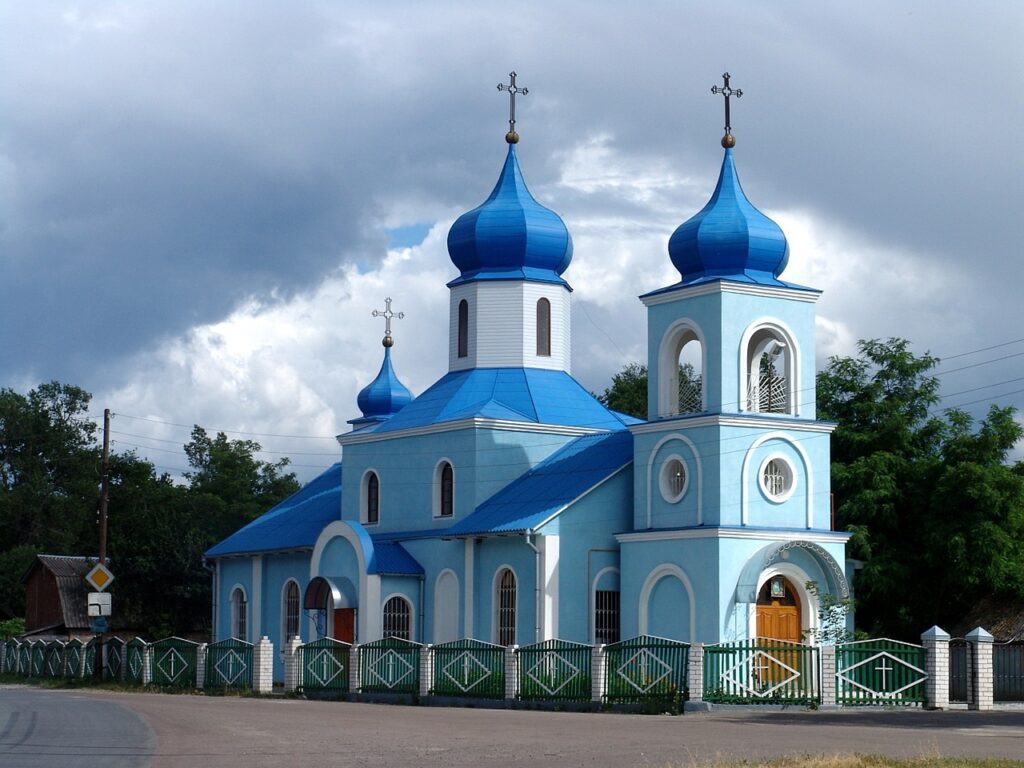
{"points": [[99, 577]]}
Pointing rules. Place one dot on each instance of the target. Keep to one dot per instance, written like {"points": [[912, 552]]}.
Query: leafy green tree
{"points": [[628, 390]]}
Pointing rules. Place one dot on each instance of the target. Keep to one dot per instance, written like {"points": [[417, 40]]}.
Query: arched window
{"points": [[543, 328], [371, 511], [606, 616], [447, 490], [463, 328], [291, 611], [238, 613], [398, 618], [680, 382], [769, 360], [505, 604]]}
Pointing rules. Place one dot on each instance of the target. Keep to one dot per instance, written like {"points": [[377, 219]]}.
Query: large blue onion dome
{"points": [[385, 395], [729, 237], [510, 236]]}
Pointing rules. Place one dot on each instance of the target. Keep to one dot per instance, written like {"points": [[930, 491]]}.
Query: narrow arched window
{"points": [[463, 328], [291, 611], [506, 607], [238, 614], [770, 372], [606, 616], [372, 498], [398, 618], [447, 490], [543, 328]]}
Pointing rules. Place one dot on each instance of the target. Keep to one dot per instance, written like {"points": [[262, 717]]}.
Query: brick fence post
{"points": [[828, 675], [511, 671], [263, 666], [426, 669], [695, 672], [147, 664], [979, 669], [353, 668], [936, 649], [598, 673], [291, 664], [201, 661]]}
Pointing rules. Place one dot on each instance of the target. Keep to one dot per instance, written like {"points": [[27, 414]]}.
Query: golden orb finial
{"points": [[388, 341], [728, 141], [512, 137]]}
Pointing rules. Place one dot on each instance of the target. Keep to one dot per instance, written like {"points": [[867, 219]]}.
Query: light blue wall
{"points": [[235, 571], [489, 556], [278, 569], [437, 555]]}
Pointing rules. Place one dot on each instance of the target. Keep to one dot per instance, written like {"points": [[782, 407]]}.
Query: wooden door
{"points": [[345, 625], [778, 611]]}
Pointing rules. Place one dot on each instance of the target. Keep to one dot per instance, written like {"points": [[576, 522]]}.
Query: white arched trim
{"points": [[745, 478], [675, 337], [666, 570], [284, 609], [409, 604], [809, 604], [343, 529], [496, 600], [438, 469], [794, 359], [698, 468], [593, 598]]}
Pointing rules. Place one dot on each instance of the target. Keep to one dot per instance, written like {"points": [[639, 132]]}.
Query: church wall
{"points": [[490, 556], [697, 449], [234, 571], [277, 570], [409, 588], [440, 557]]}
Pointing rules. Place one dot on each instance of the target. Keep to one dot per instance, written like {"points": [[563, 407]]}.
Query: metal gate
{"points": [[1008, 671], [647, 668], [958, 670], [229, 664], [391, 665], [135, 659], [469, 668], [324, 666], [761, 672], [174, 662], [555, 669], [38, 651], [880, 671]]}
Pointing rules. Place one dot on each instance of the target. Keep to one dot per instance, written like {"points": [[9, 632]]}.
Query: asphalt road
{"points": [[91, 728]]}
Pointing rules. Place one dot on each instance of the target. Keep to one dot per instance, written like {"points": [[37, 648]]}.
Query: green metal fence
{"points": [[53, 659], [762, 672], [114, 655], [89, 657], [469, 668], [229, 664], [645, 668], [554, 669], [324, 666], [134, 660], [11, 656], [880, 671], [73, 657], [390, 665], [174, 662], [25, 659], [38, 652]]}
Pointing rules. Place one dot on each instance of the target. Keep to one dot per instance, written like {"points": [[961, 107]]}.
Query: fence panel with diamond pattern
{"points": [[645, 668], [11, 656], [469, 668], [38, 653], [554, 670], [174, 662], [229, 664], [53, 659], [74, 658], [134, 660], [114, 650], [761, 672], [324, 666], [880, 671], [390, 665], [25, 659], [89, 657]]}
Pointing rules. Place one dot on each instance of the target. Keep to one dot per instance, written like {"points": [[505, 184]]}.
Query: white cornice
{"points": [[725, 286], [725, 420], [824, 537], [355, 438]]}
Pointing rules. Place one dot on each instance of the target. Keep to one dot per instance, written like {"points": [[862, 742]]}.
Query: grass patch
{"points": [[862, 761]]}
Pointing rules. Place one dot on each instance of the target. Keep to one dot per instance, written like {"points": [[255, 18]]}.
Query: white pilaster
{"points": [[256, 601], [550, 553], [469, 578]]}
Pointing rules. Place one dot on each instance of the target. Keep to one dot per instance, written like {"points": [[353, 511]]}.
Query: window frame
{"points": [[462, 338], [446, 490], [666, 479], [783, 471], [239, 613], [506, 606], [370, 498], [400, 620], [286, 611], [543, 319]]}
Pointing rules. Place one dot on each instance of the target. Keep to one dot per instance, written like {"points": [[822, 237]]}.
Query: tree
{"points": [[628, 391]]}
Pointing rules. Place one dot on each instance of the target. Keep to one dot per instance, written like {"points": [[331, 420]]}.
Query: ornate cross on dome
{"points": [[387, 314], [512, 137], [726, 90]]}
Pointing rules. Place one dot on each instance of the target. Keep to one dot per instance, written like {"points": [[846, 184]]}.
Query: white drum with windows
{"points": [[777, 478], [674, 479]]}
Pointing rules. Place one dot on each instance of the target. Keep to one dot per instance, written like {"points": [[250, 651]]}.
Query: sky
{"points": [[202, 203]]}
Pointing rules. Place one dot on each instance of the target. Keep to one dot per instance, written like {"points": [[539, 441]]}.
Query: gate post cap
{"points": [[935, 633], [979, 635]]}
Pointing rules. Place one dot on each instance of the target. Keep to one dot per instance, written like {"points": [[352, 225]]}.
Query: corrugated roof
{"points": [[69, 572], [390, 557], [295, 523], [547, 488], [516, 394]]}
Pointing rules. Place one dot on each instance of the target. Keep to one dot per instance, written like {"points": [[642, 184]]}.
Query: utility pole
{"points": [[104, 495]]}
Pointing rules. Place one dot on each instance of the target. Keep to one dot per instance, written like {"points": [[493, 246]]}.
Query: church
{"points": [[505, 503]]}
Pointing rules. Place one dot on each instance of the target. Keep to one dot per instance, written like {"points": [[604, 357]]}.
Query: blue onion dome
{"points": [[510, 236], [729, 237], [385, 395]]}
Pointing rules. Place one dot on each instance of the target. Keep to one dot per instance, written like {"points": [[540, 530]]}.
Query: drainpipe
{"points": [[538, 575], [423, 609]]}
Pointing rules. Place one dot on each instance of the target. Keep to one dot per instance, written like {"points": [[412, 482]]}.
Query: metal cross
{"points": [[387, 314], [883, 669], [727, 91], [512, 89]]}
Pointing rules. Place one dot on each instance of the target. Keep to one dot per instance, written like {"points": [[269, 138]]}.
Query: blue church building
{"points": [[505, 503]]}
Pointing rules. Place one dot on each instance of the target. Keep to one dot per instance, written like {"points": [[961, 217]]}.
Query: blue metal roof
{"points": [[729, 238], [547, 488], [516, 394], [385, 395], [390, 557], [510, 236], [295, 523]]}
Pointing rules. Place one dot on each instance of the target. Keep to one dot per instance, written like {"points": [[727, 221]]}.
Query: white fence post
{"points": [[598, 673], [426, 669], [353, 668], [695, 672], [979, 669], [936, 687], [147, 664], [828, 675], [263, 666], [511, 672], [201, 661], [291, 664]]}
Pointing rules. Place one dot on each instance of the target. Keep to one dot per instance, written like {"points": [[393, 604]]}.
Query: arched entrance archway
{"points": [[322, 600], [779, 611]]}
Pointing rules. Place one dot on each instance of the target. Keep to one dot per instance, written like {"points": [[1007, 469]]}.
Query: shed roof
{"points": [[69, 572]]}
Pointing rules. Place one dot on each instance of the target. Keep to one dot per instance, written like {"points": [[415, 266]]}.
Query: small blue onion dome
{"points": [[729, 237], [510, 236], [385, 395]]}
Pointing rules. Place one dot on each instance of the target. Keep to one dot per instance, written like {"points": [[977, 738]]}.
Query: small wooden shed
{"points": [[56, 593]]}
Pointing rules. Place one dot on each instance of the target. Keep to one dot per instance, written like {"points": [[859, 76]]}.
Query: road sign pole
{"points": [[104, 495]]}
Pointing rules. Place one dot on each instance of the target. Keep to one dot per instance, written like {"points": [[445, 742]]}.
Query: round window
{"points": [[674, 479], [777, 478]]}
